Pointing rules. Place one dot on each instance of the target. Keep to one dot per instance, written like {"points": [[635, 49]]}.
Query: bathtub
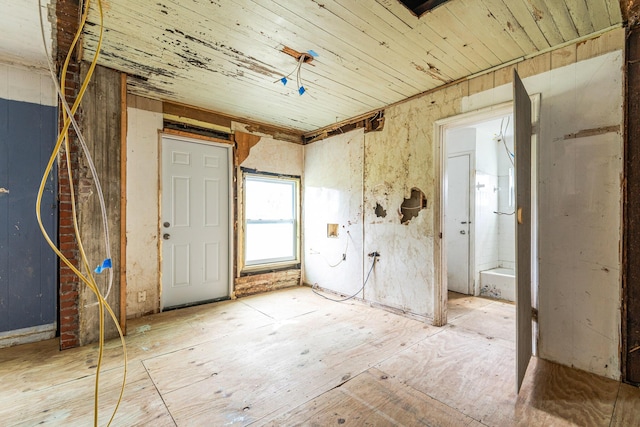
{"points": [[498, 283]]}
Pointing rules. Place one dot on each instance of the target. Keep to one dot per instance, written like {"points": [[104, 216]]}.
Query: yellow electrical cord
{"points": [[63, 137]]}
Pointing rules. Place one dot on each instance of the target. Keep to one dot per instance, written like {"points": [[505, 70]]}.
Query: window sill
{"points": [[267, 268]]}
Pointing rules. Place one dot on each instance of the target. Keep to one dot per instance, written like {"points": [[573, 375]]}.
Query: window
{"points": [[271, 219]]}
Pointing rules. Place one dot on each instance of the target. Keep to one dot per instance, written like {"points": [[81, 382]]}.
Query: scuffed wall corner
{"points": [[53, 21]]}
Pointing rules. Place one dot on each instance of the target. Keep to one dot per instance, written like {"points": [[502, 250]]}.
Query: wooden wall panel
{"points": [[631, 283], [101, 125]]}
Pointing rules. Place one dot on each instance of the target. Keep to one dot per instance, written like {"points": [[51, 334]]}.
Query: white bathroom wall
{"points": [[333, 195], [506, 223], [579, 209], [487, 244]]}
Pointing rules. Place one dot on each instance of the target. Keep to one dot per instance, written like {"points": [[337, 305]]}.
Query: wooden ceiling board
{"points": [[346, 55], [226, 55], [525, 19], [615, 13], [580, 16], [442, 26], [395, 12], [233, 68], [560, 14], [599, 14], [486, 29], [415, 47], [508, 23], [380, 55], [540, 12], [446, 22]]}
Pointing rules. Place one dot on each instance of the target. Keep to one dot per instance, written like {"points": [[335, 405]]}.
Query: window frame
{"points": [[271, 263]]}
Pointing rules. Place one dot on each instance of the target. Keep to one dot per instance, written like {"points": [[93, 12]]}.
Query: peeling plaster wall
{"points": [[268, 155], [142, 208], [333, 195], [396, 159], [272, 155], [580, 210]]}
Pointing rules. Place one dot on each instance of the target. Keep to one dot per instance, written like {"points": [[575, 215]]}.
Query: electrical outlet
{"points": [[142, 296], [344, 257]]}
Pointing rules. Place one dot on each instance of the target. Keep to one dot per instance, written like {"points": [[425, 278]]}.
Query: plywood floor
{"points": [[293, 358]]}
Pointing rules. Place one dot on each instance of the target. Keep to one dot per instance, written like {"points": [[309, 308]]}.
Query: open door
{"points": [[522, 149]]}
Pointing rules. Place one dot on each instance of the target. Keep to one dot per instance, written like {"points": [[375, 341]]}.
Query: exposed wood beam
{"points": [[123, 203], [224, 121]]}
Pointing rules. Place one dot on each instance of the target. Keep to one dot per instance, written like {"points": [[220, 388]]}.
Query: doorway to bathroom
{"points": [[480, 208], [478, 143]]}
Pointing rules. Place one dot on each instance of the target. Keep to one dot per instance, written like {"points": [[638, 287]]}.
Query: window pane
{"points": [[269, 199], [270, 242]]}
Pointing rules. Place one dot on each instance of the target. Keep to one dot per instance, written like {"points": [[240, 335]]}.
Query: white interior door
{"points": [[194, 223], [457, 223], [522, 148]]}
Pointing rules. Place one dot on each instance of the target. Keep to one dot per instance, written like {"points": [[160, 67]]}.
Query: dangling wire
{"points": [[297, 70], [63, 137]]}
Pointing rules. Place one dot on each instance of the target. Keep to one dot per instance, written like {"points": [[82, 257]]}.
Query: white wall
{"points": [[143, 266], [506, 223], [272, 155], [21, 40], [579, 210], [333, 195], [487, 249], [19, 83]]}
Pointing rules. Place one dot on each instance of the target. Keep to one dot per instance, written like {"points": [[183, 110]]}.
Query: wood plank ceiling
{"points": [[226, 55]]}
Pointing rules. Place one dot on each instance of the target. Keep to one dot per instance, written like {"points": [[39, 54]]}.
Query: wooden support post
{"points": [[123, 203]]}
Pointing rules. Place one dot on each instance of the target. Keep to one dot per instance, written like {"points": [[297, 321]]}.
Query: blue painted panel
{"points": [[28, 267]]}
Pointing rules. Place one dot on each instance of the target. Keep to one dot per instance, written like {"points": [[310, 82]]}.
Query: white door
{"points": [[194, 223], [522, 151], [457, 223]]}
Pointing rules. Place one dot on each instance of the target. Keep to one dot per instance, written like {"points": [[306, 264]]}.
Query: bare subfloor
{"points": [[291, 358]]}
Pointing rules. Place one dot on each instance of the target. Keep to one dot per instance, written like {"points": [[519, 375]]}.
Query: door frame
{"points": [[440, 156], [472, 213], [440, 249], [228, 145]]}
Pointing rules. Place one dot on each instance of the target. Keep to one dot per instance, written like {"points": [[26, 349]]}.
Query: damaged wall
{"points": [[144, 120], [272, 156], [333, 182], [580, 196]]}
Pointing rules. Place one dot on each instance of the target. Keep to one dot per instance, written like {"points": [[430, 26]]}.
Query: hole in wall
{"points": [[332, 230], [380, 211], [412, 206]]}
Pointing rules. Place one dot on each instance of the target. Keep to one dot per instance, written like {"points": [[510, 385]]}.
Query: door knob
{"points": [[166, 236], [461, 232]]}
